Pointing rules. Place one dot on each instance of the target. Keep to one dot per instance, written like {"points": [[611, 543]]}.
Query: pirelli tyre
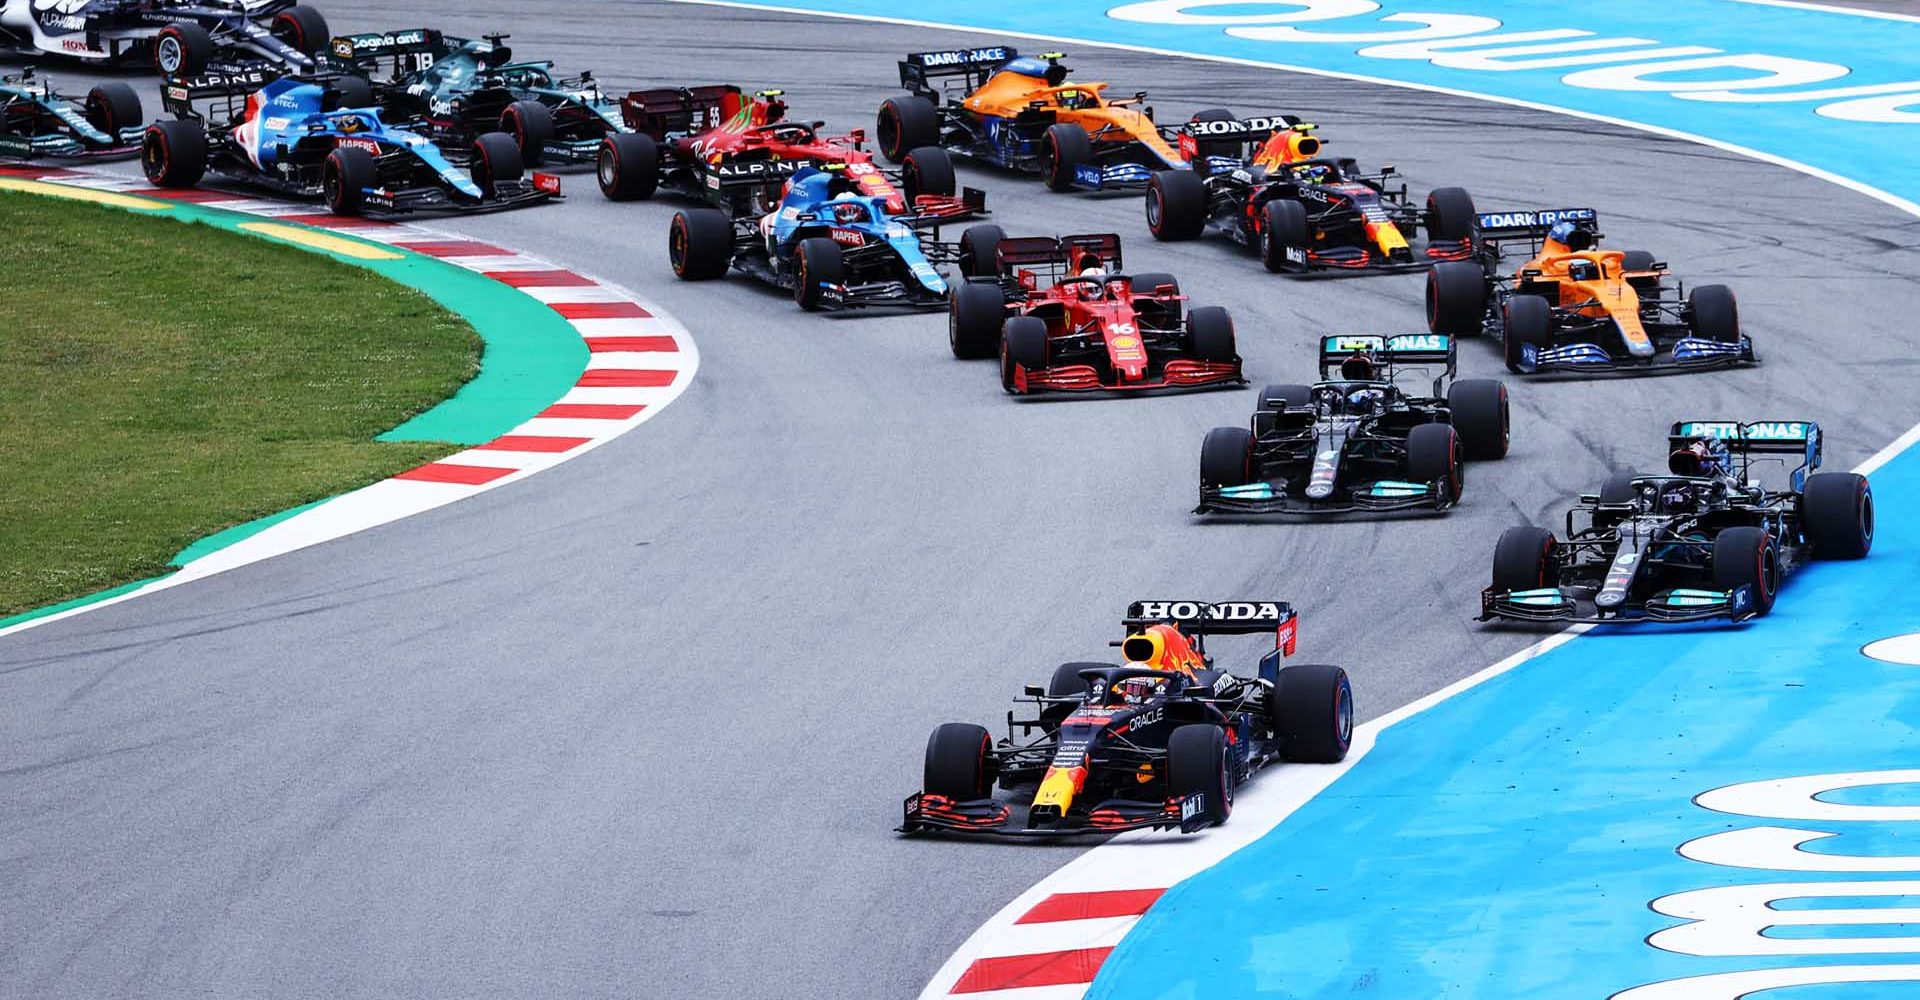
{"points": [[1528, 322], [1745, 556], [531, 125], [1286, 396], [303, 29], [1226, 457], [182, 49], [1210, 335], [1714, 313], [345, 177], [1311, 711], [927, 170], [1023, 344], [1836, 512], [1618, 487], [980, 251], [1198, 765], [496, 161], [173, 153], [700, 244], [974, 318], [1066, 683], [1524, 559], [1285, 236], [959, 762], [1456, 298], [1176, 205], [1450, 214], [1156, 314], [906, 123], [817, 263], [1433, 456], [1479, 411], [1064, 150], [628, 166], [113, 106]]}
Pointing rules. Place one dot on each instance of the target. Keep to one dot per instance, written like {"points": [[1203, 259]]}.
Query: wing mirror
{"points": [[1036, 691]]}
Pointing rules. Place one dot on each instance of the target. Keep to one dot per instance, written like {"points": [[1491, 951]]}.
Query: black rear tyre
{"points": [[1295, 397], [1066, 683], [1286, 230], [1066, 147], [958, 762], [1479, 411], [700, 244], [113, 106], [1618, 489], [302, 28], [1836, 510], [345, 177], [906, 123], [816, 261], [1456, 298], [1023, 342], [927, 170], [531, 125], [628, 166], [980, 251], [1197, 764], [1176, 205], [1210, 334], [1311, 711], [1744, 556], [173, 153], [1226, 457], [974, 317], [1523, 559]]}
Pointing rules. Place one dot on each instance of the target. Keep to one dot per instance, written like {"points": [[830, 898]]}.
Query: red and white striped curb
{"points": [[640, 359]]}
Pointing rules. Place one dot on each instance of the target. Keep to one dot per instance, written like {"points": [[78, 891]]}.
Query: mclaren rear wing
{"points": [[918, 68], [1534, 223]]}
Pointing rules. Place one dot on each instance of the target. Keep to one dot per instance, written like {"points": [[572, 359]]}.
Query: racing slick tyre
{"points": [[974, 318], [1023, 343], [1292, 397], [1066, 683], [1836, 512], [1479, 411], [959, 762], [816, 261], [980, 253], [1285, 229], [496, 160], [1197, 764], [173, 153], [1745, 556], [1210, 334], [1456, 298], [700, 244], [1433, 456], [927, 170], [113, 106], [906, 123], [182, 49], [1311, 711], [1618, 489], [1226, 457], [1529, 320], [347, 91], [531, 125], [302, 28], [1065, 148], [1715, 313], [628, 166], [1156, 314], [1523, 559], [1176, 205], [1449, 214], [345, 178]]}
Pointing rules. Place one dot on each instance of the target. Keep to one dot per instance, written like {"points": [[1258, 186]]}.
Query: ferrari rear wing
{"points": [[1533, 224], [974, 64], [1062, 252], [666, 111]]}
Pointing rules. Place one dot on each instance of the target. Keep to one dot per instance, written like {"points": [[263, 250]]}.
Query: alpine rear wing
{"points": [[177, 94], [1533, 224], [975, 64], [1201, 618], [666, 111], [1061, 252]]}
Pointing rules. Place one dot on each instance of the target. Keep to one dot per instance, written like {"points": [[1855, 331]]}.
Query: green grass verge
{"points": [[162, 381]]}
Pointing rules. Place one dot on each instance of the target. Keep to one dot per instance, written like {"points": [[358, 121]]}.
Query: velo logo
{"points": [[1735, 920]]}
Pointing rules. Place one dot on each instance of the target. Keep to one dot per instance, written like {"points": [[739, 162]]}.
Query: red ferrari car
{"points": [[717, 144], [1066, 318]]}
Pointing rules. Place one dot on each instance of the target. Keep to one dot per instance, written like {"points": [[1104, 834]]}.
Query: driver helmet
{"points": [[1570, 236], [1700, 457], [1359, 368], [1134, 690], [1312, 173], [847, 208], [1676, 498], [1582, 269]]}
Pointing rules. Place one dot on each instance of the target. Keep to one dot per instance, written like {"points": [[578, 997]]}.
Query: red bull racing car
{"points": [[1065, 318], [1161, 740]]}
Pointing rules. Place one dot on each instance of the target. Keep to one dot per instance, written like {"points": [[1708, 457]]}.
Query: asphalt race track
{"points": [[640, 726]]}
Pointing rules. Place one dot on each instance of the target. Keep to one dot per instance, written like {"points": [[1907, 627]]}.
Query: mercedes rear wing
{"points": [[1058, 252], [1760, 437], [918, 68]]}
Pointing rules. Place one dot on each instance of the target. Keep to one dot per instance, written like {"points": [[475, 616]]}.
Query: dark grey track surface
{"points": [[639, 726]]}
